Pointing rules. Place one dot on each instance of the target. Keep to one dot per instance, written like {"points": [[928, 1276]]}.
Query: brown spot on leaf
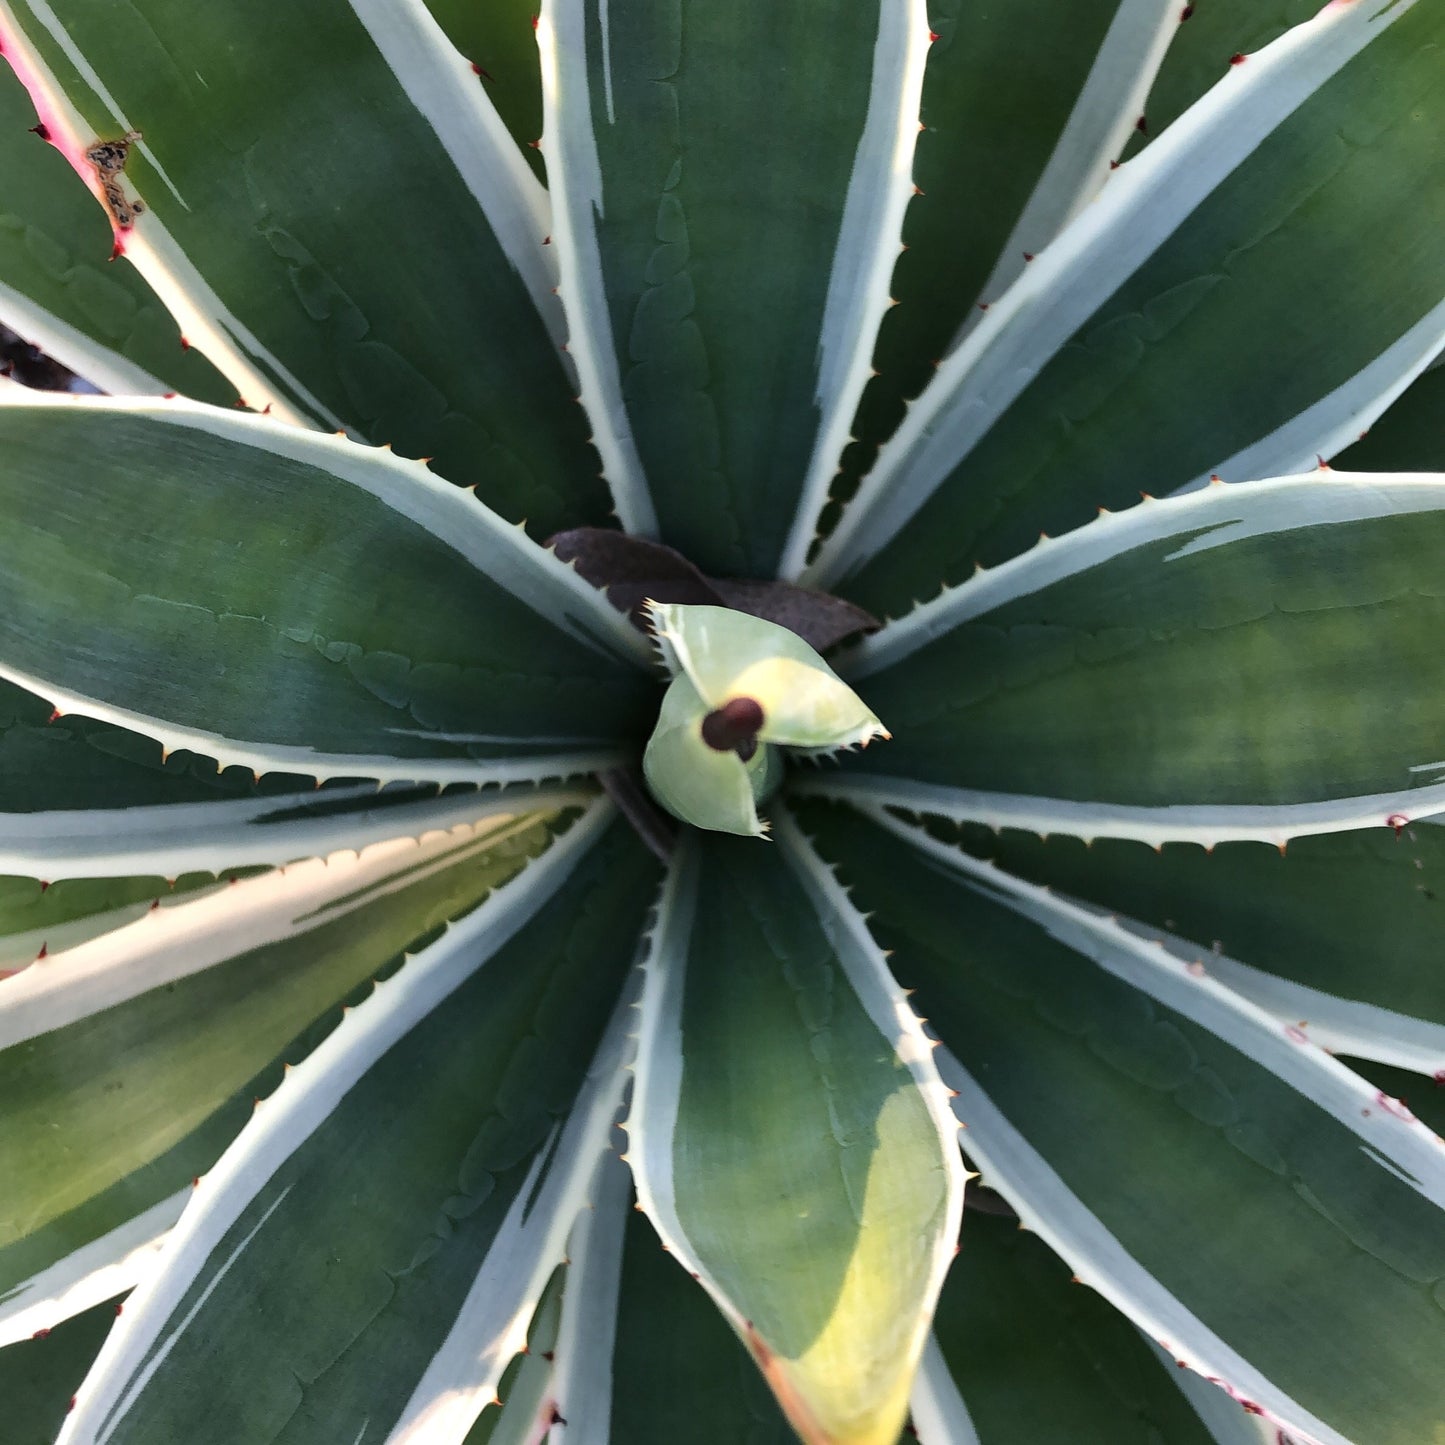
{"points": [[109, 158]]}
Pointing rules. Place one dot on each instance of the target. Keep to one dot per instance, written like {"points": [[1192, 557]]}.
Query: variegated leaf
{"points": [[1272, 1219], [789, 1136], [130, 1060], [449, 1131], [296, 602], [722, 337], [337, 217], [1217, 253], [1253, 661]]}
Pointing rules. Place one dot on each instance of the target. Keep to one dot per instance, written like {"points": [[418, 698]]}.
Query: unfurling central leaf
{"points": [[743, 690]]}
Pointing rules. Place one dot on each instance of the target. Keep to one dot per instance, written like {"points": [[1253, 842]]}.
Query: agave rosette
{"points": [[338, 972]]}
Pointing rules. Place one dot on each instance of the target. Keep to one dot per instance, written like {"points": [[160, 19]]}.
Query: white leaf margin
{"points": [[499, 550], [92, 1274], [870, 240], [574, 171]]}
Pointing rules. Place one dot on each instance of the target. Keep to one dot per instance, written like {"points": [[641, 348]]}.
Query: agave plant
{"points": [[412, 778]]}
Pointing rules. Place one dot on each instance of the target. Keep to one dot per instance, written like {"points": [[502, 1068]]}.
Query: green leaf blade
{"points": [[1190, 338], [1265, 665], [132, 1060], [38, 1378], [1267, 1162], [678, 1372], [455, 1224], [294, 602], [74, 763], [734, 334], [342, 224], [823, 1228], [1022, 111], [1338, 936], [1039, 1357]]}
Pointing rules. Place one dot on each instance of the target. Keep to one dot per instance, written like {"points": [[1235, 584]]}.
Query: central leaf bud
{"points": [[744, 691]]}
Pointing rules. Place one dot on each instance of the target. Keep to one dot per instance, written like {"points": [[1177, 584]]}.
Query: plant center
{"points": [[734, 727]]}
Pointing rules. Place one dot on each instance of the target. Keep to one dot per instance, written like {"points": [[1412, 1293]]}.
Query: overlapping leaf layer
{"points": [[366, 1077]]}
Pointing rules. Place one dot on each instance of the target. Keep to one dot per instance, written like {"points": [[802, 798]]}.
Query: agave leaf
{"points": [[146, 577], [171, 840], [579, 1384], [59, 763], [644, 1357], [339, 221], [1027, 111], [1236, 663], [1170, 1140], [1023, 109], [639, 1353], [1338, 937], [1210, 33], [38, 918], [130, 1061], [1021, 1353], [726, 654], [822, 1229], [722, 331], [38, 1378], [523, 1408], [1191, 321], [500, 41], [697, 783], [58, 292], [81, 799], [1407, 438], [457, 1103]]}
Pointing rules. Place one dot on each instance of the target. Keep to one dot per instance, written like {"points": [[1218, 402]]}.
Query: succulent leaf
{"points": [[677, 1371], [1267, 1159], [727, 654], [38, 1377], [1022, 112], [168, 841], [742, 688], [1287, 930], [507, 1034], [361, 314], [764, 987], [703, 785], [689, 301], [1112, 683], [1280, 179], [280, 711], [382, 663], [131, 1060], [1025, 1352]]}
